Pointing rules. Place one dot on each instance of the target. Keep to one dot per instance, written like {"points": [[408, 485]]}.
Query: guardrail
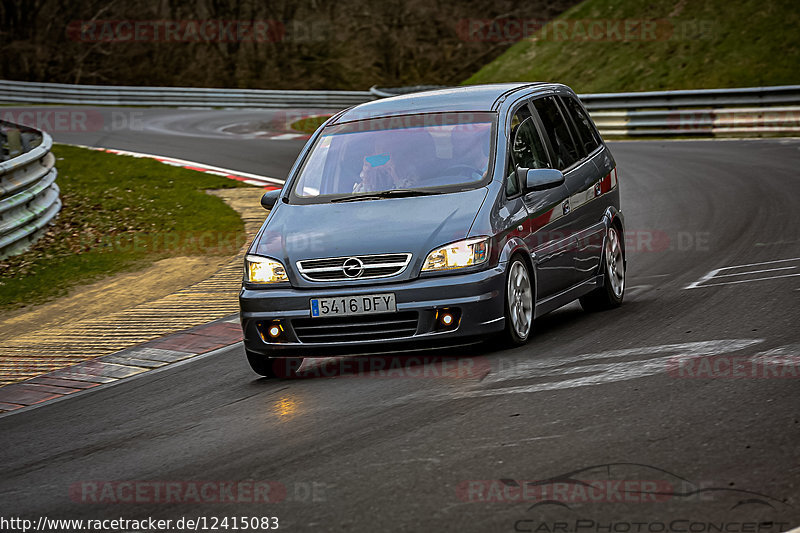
{"points": [[719, 112], [702, 112], [28, 191], [60, 93]]}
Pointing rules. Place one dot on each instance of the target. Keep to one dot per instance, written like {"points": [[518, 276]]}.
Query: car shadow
{"points": [[468, 360]]}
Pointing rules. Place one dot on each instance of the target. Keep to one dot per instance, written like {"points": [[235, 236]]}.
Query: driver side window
{"points": [[527, 149]]}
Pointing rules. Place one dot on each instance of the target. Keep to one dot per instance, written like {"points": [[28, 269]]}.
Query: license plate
{"points": [[353, 305]]}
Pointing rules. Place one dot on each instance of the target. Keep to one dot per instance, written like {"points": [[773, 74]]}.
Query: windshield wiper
{"points": [[391, 193]]}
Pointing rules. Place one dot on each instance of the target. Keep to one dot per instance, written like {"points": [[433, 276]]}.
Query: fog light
{"points": [[447, 319], [271, 331]]}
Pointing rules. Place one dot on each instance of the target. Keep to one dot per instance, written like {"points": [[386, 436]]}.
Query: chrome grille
{"points": [[356, 328], [353, 267]]}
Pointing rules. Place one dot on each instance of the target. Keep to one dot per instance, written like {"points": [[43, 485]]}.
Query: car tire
{"points": [[612, 292], [520, 302], [273, 367]]}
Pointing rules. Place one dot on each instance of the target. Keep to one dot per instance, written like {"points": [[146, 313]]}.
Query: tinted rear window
{"points": [[586, 132], [565, 151]]}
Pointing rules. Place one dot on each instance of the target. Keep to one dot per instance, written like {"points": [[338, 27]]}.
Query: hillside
{"points": [[634, 45], [280, 44]]}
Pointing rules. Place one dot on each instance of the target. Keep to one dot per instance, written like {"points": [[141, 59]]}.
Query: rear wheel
{"points": [[519, 303], [610, 295], [273, 367]]}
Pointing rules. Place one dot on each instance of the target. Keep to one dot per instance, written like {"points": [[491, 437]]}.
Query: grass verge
{"points": [[120, 214], [692, 45], [309, 124]]}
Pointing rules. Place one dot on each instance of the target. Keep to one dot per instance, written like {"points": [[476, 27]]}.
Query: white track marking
{"points": [[708, 276], [525, 369], [762, 263], [715, 274], [754, 271], [287, 136], [745, 281], [252, 179], [189, 360], [603, 367]]}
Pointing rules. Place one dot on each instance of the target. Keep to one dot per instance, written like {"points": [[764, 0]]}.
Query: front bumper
{"points": [[477, 298]]}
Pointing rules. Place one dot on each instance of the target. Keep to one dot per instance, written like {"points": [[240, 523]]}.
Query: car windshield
{"points": [[393, 156]]}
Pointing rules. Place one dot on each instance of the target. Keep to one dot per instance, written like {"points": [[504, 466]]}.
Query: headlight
{"points": [[263, 270], [461, 254]]}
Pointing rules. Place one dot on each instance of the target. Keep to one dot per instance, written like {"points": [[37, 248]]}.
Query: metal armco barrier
{"points": [[724, 122], [59, 93], [717, 112], [720, 112], [28, 191]]}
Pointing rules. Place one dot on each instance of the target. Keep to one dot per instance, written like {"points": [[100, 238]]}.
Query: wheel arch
{"points": [[613, 218], [516, 246]]}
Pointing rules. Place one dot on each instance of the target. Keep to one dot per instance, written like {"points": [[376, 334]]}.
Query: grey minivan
{"points": [[435, 217]]}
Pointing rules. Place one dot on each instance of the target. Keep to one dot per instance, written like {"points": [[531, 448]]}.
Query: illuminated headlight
{"points": [[461, 254], [263, 270]]}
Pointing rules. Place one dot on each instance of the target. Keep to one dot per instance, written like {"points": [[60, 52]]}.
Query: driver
{"points": [[376, 174]]}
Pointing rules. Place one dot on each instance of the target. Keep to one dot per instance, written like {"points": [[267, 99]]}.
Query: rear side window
{"points": [[527, 148], [565, 151], [586, 132]]}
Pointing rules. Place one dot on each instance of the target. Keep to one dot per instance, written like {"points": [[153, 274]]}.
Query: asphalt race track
{"points": [[240, 139], [613, 415]]}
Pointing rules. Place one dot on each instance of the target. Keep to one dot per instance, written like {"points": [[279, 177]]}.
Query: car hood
{"points": [[413, 225]]}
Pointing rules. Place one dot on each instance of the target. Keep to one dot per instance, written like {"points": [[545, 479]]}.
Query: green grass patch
{"points": [[710, 44], [309, 124], [119, 213]]}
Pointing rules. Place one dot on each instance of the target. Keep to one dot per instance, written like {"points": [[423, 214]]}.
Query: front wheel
{"points": [[613, 290], [273, 367], [519, 303]]}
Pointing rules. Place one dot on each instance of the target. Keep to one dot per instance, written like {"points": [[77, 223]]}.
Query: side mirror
{"points": [[270, 198], [540, 179]]}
